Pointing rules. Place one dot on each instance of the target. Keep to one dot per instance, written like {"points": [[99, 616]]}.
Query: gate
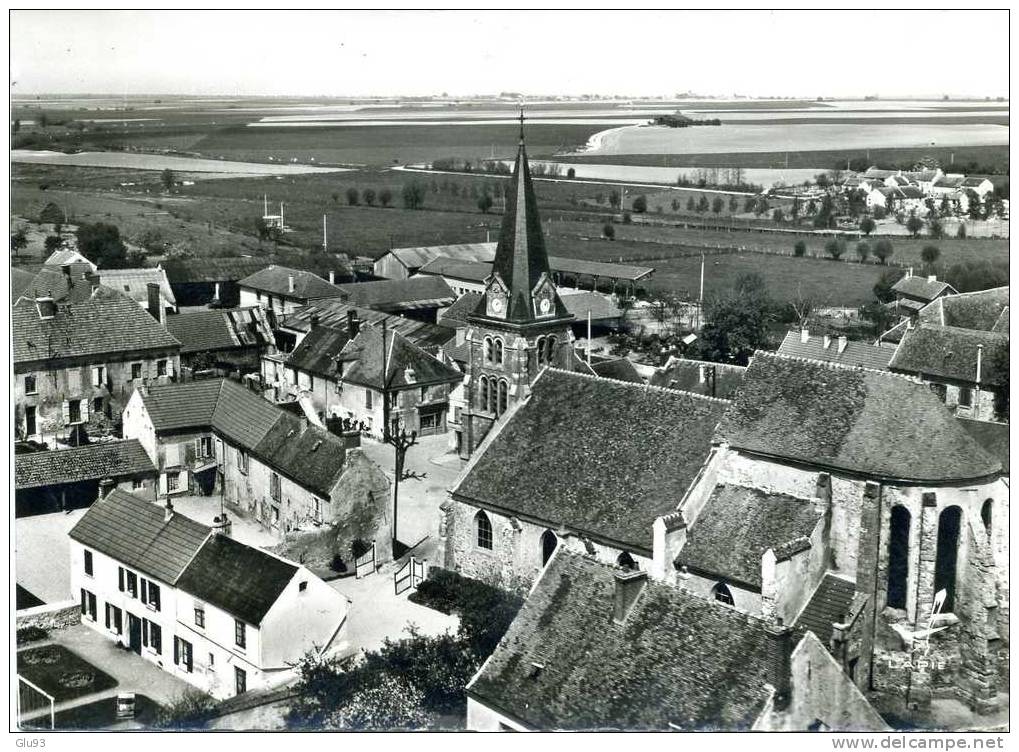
{"points": [[409, 575], [364, 565], [33, 702]]}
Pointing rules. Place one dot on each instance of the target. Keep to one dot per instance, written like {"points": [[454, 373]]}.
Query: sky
{"points": [[414, 53]]}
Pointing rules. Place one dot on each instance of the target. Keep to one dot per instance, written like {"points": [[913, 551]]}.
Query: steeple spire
{"points": [[521, 125]]}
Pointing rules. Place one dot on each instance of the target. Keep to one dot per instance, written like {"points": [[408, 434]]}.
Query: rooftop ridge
{"points": [[634, 385], [833, 365]]}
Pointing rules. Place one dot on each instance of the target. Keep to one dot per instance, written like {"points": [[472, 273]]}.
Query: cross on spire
{"points": [[521, 124]]}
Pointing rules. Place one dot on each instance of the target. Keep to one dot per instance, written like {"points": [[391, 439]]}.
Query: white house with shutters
{"points": [[223, 616]]}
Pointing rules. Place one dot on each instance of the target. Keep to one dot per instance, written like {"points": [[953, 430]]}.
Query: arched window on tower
{"points": [[549, 541], [987, 517], [503, 397], [723, 594], [488, 349], [483, 393], [626, 561], [949, 523], [483, 530], [898, 557], [497, 351], [539, 346], [550, 348]]}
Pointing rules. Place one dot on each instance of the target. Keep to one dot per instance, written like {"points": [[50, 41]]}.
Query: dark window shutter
{"points": [[107, 615], [120, 578], [176, 650], [145, 632], [118, 620], [154, 589], [145, 591], [156, 638], [83, 601]]}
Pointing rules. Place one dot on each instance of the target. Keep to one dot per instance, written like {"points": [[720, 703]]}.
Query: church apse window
{"points": [[946, 559], [987, 517], [723, 594], [549, 541], [503, 397], [898, 557], [483, 530], [626, 561]]}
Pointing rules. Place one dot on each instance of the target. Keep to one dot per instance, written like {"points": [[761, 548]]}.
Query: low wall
{"points": [[50, 616]]}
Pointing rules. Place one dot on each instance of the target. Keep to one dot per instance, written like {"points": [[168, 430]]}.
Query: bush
{"points": [[353, 197], [867, 225], [914, 224], [961, 232], [835, 248], [608, 231], [26, 635], [883, 250], [369, 196], [880, 212], [799, 248], [188, 711], [862, 250], [338, 564], [640, 204], [930, 254], [359, 547], [571, 173]]}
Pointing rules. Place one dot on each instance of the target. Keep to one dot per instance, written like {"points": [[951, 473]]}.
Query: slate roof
{"points": [[108, 322], [73, 285], [921, 288], [222, 329], [333, 312], [969, 310], [855, 353], [113, 459], [596, 455], [416, 257], [241, 580], [619, 369], [364, 358], [685, 375], [580, 303], [993, 437], [136, 533], [973, 182], [134, 283], [174, 407], [738, 524], [830, 604], [455, 317], [21, 279], [878, 424], [208, 270], [678, 660], [950, 352], [316, 352], [399, 294], [275, 280], [469, 271]]}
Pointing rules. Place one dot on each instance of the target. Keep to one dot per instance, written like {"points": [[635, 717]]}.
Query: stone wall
{"points": [[50, 616]]}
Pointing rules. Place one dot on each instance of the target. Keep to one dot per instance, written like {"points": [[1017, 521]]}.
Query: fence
{"points": [[409, 575], [364, 565], [32, 701]]}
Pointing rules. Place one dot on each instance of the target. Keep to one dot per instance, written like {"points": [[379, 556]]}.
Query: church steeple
{"points": [[521, 289]]}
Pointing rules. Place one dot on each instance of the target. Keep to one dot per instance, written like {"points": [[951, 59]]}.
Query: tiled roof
{"points": [[685, 375], [830, 604], [619, 369], [63, 256], [246, 418], [946, 181], [134, 282], [333, 312], [993, 437], [855, 353], [469, 271], [21, 279], [877, 424], [316, 352], [364, 358], [417, 257], [310, 455], [455, 317], [874, 172], [202, 331], [187, 271], [114, 459], [921, 287], [973, 182], [677, 661], [73, 285], [109, 322], [950, 352], [736, 527], [600, 307], [969, 310], [275, 280], [599, 456], [173, 407], [136, 533], [399, 294], [241, 580]]}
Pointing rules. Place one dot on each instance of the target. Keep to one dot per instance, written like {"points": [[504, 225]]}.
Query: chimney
{"points": [[700, 374], [827, 341], [353, 325], [932, 278], [155, 301], [779, 652], [910, 272], [290, 283], [629, 585], [332, 277], [215, 295], [804, 335], [105, 486], [408, 375], [843, 341], [168, 514], [221, 525], [47, 307], [980, 362]]}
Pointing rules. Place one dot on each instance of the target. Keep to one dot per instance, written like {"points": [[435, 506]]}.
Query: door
{"points": [[134, 633]]}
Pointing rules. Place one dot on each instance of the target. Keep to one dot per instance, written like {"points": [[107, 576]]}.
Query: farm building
{"points": [[417, 297]]}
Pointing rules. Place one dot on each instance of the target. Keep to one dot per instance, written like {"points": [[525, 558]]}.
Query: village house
{"points": [[65, 256], [701, 377], [216, 437], [209, 281], [978, 185], [77, 364], [983, 310], [65, 479], [233, 339], [912, 293], [222, 616], [801, 344], [598, 648], [282, 290], [135, 284]]}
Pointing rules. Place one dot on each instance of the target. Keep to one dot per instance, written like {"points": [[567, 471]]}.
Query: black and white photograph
{"points": [[509, 370]]}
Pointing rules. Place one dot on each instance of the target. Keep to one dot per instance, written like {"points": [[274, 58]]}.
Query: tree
{"points": [[702, 204], [190, 710], [52, 243], [614, 199], [835, 248], [19, 240], [609, 231], [168, 179], [640, 204], [17, 125], [867, 226], [935, 229], [717, 204], [794, 210], [385, 197], [799, 248], [970, 276], [762, 206], [777, 215], [930, 255], [101, 244], [914, 224], [735, 325], [369, 196], [571, 173], [880, 212], [353, 197], [51, 214], [863, 251], [336, 197], [881, 318], [961, 232], [733, 204], [413, 195], [691, 205], [749, 203], [883, 250], [484, 202], [883, 287]]}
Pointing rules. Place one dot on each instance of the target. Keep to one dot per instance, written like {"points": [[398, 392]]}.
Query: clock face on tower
{"points": [[496, 304], [544, 298], [545, 305]]}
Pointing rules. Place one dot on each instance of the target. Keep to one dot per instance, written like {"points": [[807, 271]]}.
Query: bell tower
{"points": [[520, 325]]}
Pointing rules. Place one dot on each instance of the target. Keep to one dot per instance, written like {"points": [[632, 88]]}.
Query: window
{"points": [[302, 586], [503, 390], [74, 411], [200, 616], [240, 680], [424, 394], [97, 404], [549, 541], [483, 393], [240, 633], [965, 396], [497, 352], [212, 660], [488, 350], [114, 619], [88, 605], [986, 516], [204, 446], [722, 594], [941, 390], [626, 561], [160, 368], [88, 563], [274, 486], [550, 350], [156, 637], [483, 530], [137, 483], [316, 509], [30, 385], [152, 598], [136, 370], [898, 557], [539, 345], [131, 584], [98, 375], [30, 428], [183, 654], [949, 523], [172, 481], [242, 461], [367, 399]]}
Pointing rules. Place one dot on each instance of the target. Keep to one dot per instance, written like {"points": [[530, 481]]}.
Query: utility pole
{"points": [[325, 239], [700, 298]]}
